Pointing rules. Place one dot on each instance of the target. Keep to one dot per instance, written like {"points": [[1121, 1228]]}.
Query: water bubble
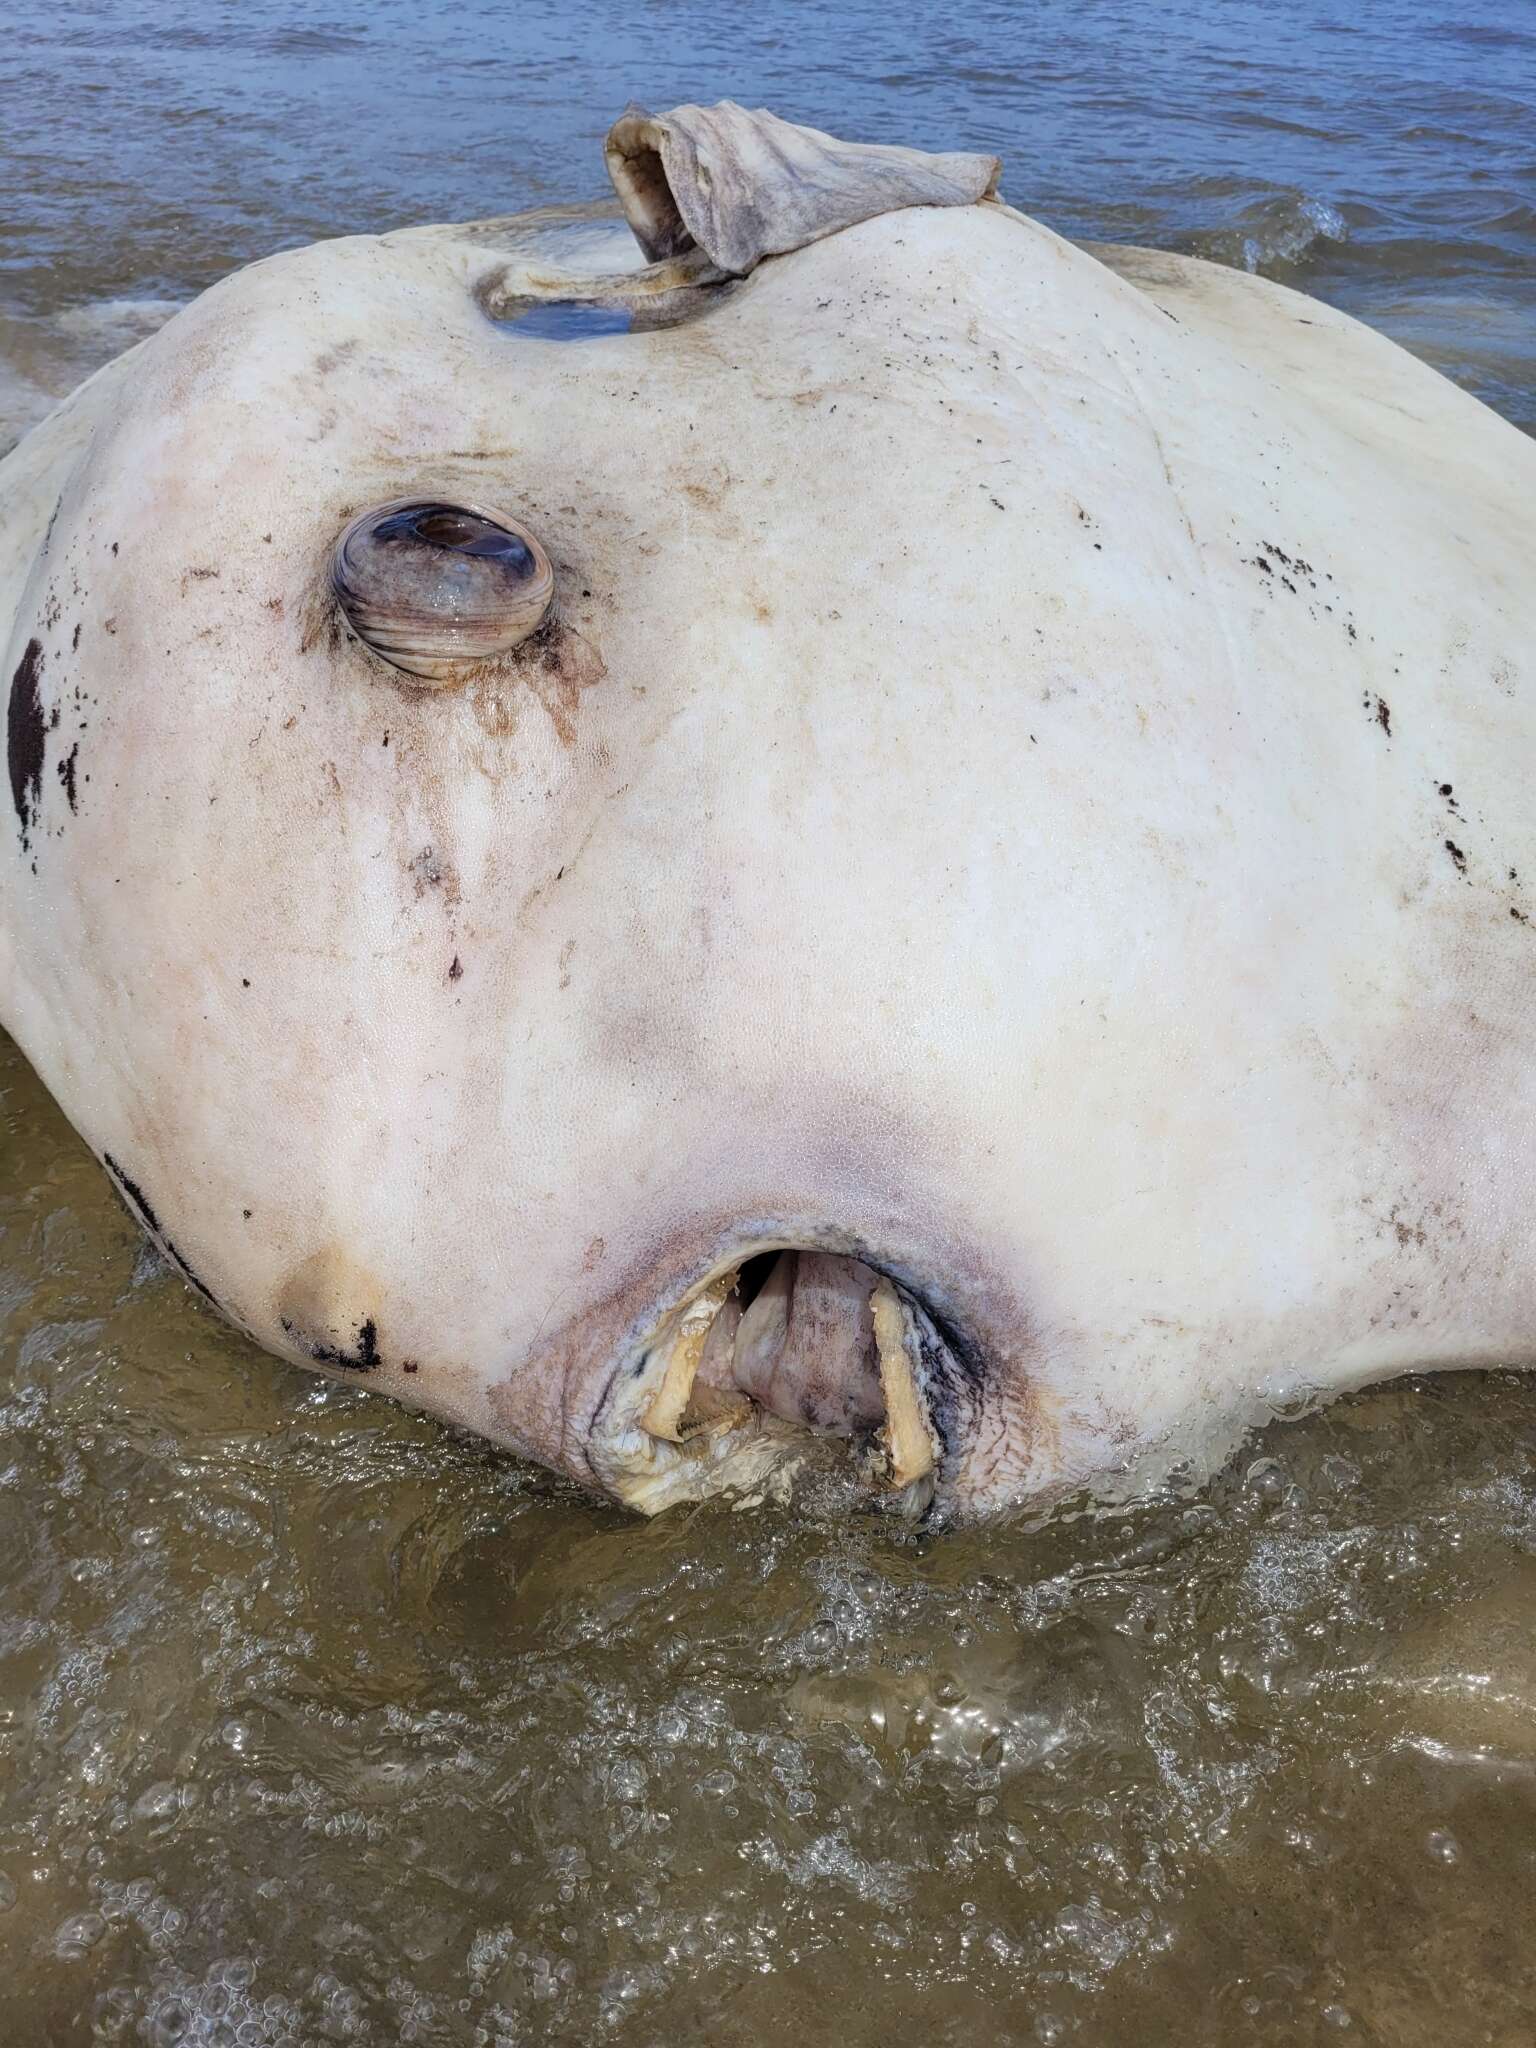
{"points": [[1337, 2016], [1265, 1481], [170, 2022], [160, 1801], [74, 1936], [1443, 1846], [7, 1892], [628, 1780]]}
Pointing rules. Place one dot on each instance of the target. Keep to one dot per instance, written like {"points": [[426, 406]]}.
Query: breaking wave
{"points": [[1274, 234], [111, 325], [43, 357]]}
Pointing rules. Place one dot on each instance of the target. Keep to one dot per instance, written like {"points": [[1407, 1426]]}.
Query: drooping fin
{"points": [[741, 185]]}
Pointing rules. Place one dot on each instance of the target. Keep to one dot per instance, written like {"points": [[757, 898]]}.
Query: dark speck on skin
{"points": [[1457, 856], [67, 775], [457, 968]]}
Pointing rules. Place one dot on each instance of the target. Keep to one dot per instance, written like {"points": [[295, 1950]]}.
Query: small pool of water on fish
{"points": [[319, 1722], [566, 320]]}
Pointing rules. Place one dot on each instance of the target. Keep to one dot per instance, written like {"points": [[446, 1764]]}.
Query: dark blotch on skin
{"points": [[1456, 855], [190, 1277], [138, 1202], [26, 738], [67, 774], [133, 1194], [363, 1359]]}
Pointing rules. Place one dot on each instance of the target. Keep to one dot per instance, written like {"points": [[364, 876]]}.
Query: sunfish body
{"points": [[817, 817]]}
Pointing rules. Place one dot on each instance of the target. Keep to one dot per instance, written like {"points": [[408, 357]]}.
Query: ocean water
{"points": [[320, 1723], [1382, 156]]}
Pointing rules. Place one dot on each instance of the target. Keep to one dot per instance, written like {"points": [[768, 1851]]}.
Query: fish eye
{"points": [[432, 587]]}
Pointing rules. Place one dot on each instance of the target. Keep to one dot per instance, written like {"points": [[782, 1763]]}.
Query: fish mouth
{"points": [[777, 1356]]}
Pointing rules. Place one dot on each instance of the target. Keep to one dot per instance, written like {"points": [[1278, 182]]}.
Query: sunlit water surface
{"points": [[319, 1723]]}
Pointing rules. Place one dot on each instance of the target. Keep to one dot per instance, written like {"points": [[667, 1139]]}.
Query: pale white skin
{"points": [[939, 836]]}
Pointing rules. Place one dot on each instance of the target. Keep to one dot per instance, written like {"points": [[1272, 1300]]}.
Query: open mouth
{"points": [[789, 1349]]}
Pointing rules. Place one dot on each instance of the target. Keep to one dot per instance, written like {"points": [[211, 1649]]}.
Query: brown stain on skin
{"points": [[431, 870], [493, 699], [331, 359], [319, 616], [559, 665], [326, 1309]]}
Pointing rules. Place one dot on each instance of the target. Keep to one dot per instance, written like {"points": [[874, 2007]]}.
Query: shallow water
{"points": [[320, 1723]]}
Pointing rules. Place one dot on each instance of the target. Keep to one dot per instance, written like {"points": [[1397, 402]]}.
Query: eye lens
{"points": [[433, 587]]}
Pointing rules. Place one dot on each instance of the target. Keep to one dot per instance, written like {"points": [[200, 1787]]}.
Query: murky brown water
{"points": [[322, 1724]]}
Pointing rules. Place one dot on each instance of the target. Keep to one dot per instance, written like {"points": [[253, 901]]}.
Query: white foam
{"points": [[116, 324]]}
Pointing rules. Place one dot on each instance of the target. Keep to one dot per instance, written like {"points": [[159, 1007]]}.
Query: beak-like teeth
{"points": [[910, 1450], [669, 1404], [690, 1407]]}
